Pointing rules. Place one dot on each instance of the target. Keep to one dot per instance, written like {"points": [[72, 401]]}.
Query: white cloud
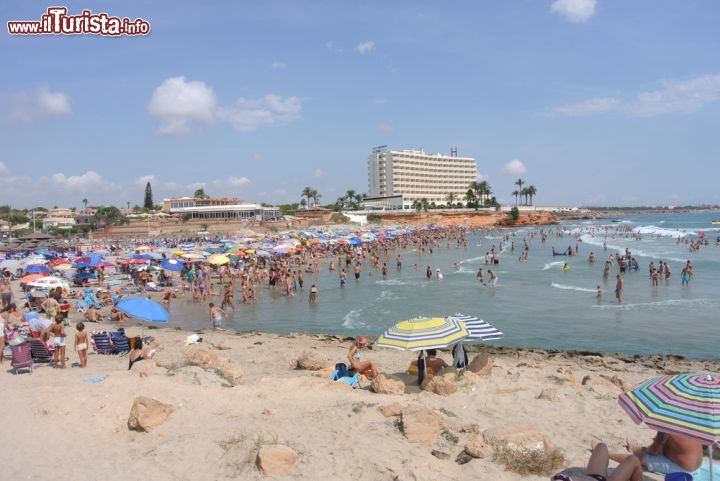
{"points": [[233, 181], [684, 96], [176, 101], [246, 115], [37, 104], [4, 169], [594, 106], [366, 47], [318, 173], [331, 47], [278, 65], [143, 180], [79, 183], [385, 128], [574, 10], [514, 167], [481, 177]]}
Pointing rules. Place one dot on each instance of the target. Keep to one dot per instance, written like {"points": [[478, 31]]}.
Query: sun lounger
{"points": [[120, 343], [101, 342], [38, 351], [21, 357], [81, 306]]}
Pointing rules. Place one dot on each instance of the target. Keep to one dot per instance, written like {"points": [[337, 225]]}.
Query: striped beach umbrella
{"points": [[423, 333], [478, 329], [685, 404]]}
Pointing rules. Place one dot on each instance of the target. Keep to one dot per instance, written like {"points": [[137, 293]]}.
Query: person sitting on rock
{"points": [[432, 361], [368, 368], [629, 469], [139, 353]]}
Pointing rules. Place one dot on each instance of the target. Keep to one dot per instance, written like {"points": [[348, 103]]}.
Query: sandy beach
{"points": [[217, 427]]}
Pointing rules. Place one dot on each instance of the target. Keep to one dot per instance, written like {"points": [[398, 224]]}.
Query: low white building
{"points": [[58, 222]]}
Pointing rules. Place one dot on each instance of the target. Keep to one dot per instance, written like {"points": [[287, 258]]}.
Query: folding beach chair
{"points": [[120, 343], [101, 342], [38, 351], [81, 306], [21, 357]]}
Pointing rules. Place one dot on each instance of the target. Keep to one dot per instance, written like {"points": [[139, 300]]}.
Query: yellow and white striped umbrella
{"points": [[423, 333]]}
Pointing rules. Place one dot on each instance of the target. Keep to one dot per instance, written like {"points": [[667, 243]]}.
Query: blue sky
{"points": [[600, 101]]}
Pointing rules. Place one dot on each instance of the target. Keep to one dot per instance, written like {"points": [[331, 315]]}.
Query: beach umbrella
{"points": [[146, 257], [31, 277], [478, 329], [423, 333], [172, 265], [9, 264], [32, 260], [60, 262], [282, 249], [144, 309], [142, 249], [62, 267], [104, 264], [81, 265], [49, 282], [684, 404], [191, 256], [36, 269], [356, 241], [36, 322], [218, 260]]}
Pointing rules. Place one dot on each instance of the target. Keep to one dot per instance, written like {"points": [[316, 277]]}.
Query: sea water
{"points": [[534, 303]]}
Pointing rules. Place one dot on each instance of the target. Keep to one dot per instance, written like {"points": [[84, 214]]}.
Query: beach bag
{"points": [[341, 370]]}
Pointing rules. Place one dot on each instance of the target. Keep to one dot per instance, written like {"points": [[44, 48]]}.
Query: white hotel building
{"points": [[396, 178]]}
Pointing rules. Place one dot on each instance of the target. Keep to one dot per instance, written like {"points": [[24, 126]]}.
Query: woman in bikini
{"points": [[597, 468], [368, 368], [140, 354]]}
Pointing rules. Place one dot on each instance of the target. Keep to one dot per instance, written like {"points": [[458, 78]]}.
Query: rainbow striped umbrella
{"points": [[685, 404], [423, 333]]}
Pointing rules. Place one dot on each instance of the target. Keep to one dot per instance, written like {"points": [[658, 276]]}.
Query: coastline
{"points": [[216, 428]]}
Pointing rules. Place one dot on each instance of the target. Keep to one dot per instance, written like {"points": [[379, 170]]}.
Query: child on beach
{"points": [[81, 344], [216, 316], [57, 334], [313, 294]]}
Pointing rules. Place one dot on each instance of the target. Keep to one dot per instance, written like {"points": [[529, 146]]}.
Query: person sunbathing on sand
{"points": [[668, 453], [139, 353], [368, 368], [629, 469]]}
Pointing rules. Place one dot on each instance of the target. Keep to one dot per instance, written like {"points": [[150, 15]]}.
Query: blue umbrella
{"points": [[36, 269], [144, 309], [356, 241], [145, 257], [172, 265], [81, 265]]}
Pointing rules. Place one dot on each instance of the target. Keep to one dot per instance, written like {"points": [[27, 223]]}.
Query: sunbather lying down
{"points": [[368, 368], [597, 468]]}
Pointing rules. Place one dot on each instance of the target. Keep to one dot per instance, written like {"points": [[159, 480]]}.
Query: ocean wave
{"points": [[572, 288], [670, 303], [550, 265], [661, 231], [388, 296], [391, 282], [352, 320], [473, 259]]}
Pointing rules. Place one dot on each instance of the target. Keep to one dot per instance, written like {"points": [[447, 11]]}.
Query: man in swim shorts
{"points": [[216, 316], [619, 288]]}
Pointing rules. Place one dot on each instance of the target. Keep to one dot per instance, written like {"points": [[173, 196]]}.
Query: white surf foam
{"points": [[352, 320], [550, 265], [571, 288], [661, 231], [473, 259], [670, 303], [391, 282]]}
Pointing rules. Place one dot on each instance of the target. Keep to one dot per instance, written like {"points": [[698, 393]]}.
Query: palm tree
{"points": [[359, 198], [483, 191], [469, 198], [524, 193], [516, 193], [303, 202], [417, 205], [425, 204], [450, 197], [350, 195], [85, 202], [520, 184], [307, 192], [531, 191], [315, 197]]}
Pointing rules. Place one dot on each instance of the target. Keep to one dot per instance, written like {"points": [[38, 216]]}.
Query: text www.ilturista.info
{"points": [[57, 22]]}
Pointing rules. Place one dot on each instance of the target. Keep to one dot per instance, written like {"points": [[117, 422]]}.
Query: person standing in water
{"points": [[619, 288]]}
